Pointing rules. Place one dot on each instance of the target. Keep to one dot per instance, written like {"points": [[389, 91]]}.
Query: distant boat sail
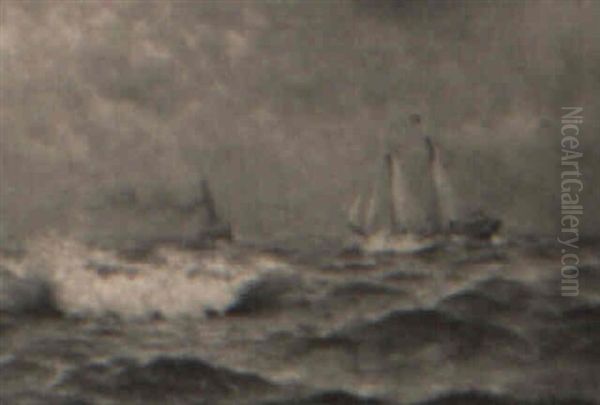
{"points": [[216, 228]]}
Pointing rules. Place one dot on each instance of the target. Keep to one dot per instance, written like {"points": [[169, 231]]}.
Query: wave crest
{"points": [[88, 281]]}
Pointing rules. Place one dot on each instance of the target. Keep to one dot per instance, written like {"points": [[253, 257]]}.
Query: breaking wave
{"points": [[77, 279]]}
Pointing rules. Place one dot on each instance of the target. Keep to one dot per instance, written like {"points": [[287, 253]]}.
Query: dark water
{"points": [[485, 326]]}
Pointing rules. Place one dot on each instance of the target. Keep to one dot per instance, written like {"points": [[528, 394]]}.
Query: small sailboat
{"points": [[215, 228], [201, 226]]}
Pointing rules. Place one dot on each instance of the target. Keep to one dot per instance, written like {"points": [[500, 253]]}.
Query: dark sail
{"points": [[216, 228]]}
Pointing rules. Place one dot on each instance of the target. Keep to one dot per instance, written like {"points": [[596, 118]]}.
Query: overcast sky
{"points": [[285, 107]]}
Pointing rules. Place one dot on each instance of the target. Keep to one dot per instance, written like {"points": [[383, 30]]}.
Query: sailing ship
{"points": [[202, 226], [217, 229], [393, 235]]}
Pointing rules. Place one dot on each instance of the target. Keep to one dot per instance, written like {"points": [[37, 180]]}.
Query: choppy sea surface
{"points": [[241, 325]]}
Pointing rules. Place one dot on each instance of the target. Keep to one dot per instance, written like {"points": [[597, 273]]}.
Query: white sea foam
{"points": [[90, 281]]}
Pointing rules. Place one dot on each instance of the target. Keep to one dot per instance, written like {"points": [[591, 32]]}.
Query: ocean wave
{"points": [[409, 331], [166, 379], [270, 293], [489, 398], [81, 280], [330, 398], [25, 295]]}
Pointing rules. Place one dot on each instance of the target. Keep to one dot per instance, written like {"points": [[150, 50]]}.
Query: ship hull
{"points": [[385, 243]]}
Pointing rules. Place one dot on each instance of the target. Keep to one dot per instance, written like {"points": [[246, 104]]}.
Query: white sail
{"points": [[354, 212], [371, 211], [443, 192], [386, 208], [400, 198], [362, 212]]}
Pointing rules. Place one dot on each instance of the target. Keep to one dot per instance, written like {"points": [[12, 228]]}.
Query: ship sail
{"points": [[371, 211], [354, 216], [386, 207], [209, 204], [400, 199], [362, 212], [444, 199], [475, 226], [215, 228]]}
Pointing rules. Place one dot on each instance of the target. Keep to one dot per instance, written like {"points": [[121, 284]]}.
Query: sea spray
{"points": [[174, 282]]}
